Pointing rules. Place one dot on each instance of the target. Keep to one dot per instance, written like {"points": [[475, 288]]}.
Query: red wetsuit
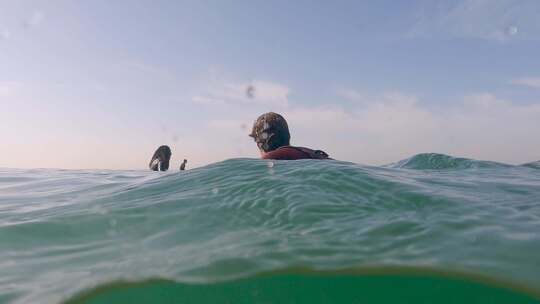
{"points": [[293, 153]]}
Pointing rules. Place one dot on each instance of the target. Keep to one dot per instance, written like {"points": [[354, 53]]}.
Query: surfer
{"points": [[271, 133], [183, 165], [160, 159]]}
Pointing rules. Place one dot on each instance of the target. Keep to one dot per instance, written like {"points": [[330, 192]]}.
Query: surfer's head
{"points": [[270, 131], [160, 159]]}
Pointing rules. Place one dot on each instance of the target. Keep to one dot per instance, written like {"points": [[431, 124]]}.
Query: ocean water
{"points": [[429, 229]]}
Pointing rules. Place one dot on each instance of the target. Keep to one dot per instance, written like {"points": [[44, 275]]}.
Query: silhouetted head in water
{"points": [[270, 131], [160, 159], [183, 165]]}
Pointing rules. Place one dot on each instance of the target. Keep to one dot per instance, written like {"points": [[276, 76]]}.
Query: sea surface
{"points": [[428, 229]]}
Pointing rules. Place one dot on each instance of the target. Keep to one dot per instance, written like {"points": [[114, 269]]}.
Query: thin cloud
{"points": [[393, 126], [351, 95], [5, 34], [35, 19], [257, 92], [8, 88], [144, 67], [533, 82], [207, 100]]}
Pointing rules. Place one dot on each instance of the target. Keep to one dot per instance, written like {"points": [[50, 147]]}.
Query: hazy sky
{"points": [[100, 84]]}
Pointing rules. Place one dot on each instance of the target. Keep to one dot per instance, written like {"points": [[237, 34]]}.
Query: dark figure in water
{"points": [[271, 133], [160, 160], [183, 165]]}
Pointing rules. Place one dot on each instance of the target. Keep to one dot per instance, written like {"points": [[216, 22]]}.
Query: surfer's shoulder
{"points": [[294, 153], [271, 134]]}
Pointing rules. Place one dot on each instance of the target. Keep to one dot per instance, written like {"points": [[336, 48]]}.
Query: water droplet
{"points": [[512, 30], [215, 191], [264, 135], [270, 164], [250, 91], [99, 210], [112, 231]]}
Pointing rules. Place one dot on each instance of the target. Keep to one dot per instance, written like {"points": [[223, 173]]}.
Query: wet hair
{"points": [[160, 159], [270, 131]]}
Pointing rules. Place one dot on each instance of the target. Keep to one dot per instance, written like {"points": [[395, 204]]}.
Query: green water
{"points": [[235, 231], [316, 287]]}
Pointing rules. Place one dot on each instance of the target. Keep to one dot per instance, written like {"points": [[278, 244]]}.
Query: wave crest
{"points": [[435, 161], [534, 165]]}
